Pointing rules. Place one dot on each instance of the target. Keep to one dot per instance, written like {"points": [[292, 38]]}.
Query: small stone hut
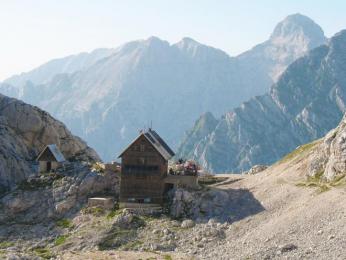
{"points": [[50, 159], [144, 166]]}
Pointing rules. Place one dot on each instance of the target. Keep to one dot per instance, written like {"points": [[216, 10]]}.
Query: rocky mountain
{"points": [[24, 131], [292, 38], [69, 64], [108, 101], [307, 101]]}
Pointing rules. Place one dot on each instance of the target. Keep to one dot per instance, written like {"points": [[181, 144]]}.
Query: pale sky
{"points": [[35, 31]]}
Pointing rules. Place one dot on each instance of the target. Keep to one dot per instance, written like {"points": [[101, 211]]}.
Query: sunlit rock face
{"points": [[24, 131], [307, 101]]}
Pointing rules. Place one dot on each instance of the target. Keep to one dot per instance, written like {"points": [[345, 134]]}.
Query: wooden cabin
{"points": [[50, 159], [144, 166]]}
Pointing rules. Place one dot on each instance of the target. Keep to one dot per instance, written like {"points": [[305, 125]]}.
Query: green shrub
{"points": [[6, 244], [114, 213], [43, 253], [64, 223], [95, 211], [60, 240]]}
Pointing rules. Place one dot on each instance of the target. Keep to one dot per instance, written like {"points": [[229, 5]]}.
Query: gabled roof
{"points": [[54, 151], [158, 143]]}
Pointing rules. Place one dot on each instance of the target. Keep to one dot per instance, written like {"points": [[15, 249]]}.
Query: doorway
{"points": [[49, 166]]}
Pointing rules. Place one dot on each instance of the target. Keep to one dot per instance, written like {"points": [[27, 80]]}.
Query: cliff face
{"points": [[24, 132], [308, 101]]}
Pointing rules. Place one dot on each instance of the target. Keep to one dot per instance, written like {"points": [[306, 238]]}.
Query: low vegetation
{"points": [[299, 151], [5, 244], [95, 211], [167, 257], [114, 213], [64, 223], [43, 253], [317, 181], [60, 240]]}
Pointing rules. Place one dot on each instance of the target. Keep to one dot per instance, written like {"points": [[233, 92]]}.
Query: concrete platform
{"points": [[105, 203]]}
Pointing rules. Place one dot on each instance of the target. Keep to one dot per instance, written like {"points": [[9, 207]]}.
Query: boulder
{"points": [[256, 169], [188, 223]]}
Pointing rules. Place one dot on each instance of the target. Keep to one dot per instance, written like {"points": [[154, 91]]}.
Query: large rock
{"points": [[24, 131], [256, 169], [329, 159], [45, 198]]}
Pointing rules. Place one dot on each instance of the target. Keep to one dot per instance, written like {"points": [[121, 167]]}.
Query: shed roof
{"points": [[158, 143], [54, 151]]}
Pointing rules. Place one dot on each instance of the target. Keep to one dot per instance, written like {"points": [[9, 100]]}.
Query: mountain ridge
{"points": [[307, 101], [107, 102]]}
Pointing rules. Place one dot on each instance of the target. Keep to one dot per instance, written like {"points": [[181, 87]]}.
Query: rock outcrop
{"points": [[205, 204], [329, 159], [52, 196], [24, 131], [256, 169], [308, 100]]}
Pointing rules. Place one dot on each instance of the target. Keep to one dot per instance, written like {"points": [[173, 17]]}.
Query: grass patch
{"points": [[317, 181], [339, 180], [64, 223], [167, 257], [114, 213], [95, 211], [43, 253], [6, 244], [60, 240], [299, 151]]}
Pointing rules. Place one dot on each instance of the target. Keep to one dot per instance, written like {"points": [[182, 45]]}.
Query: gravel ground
{"points": [[290, 222]]}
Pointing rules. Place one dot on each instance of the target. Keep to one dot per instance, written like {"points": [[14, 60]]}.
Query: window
{"points": [[141, 169], [142, 147]]}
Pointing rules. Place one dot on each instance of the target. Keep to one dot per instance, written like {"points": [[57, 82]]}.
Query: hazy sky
{"points": [[35, 31]]}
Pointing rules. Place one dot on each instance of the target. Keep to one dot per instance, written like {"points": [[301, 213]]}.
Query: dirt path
{"points": [[296, 223], [122, 255]]}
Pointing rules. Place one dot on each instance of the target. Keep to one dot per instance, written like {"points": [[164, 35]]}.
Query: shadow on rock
{"points": [[212, 203]]}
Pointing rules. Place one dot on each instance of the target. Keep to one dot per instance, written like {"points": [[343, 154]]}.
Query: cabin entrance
{"points": [[168, 187], [49, 166]]}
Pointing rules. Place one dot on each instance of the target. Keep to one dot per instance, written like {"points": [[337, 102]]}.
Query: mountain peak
{"points": [[298, 24], [187, 43]]}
